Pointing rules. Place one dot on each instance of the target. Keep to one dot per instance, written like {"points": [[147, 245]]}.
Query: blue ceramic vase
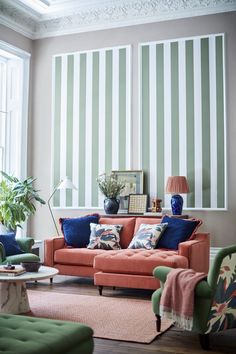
{"points": [[111, 205]]}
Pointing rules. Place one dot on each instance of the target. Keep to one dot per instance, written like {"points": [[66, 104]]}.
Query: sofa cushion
{"points": [[10, 244], [76, 231], [76, 256], [147, 236], [104, 237], [138, 261], [127, 231], [178, 230], [145, 220]]}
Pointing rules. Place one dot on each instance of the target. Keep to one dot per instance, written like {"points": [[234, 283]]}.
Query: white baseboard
{"points": [[213, 252]]}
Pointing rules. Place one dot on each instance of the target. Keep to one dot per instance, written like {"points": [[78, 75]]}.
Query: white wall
{"points": [[221, 224]]}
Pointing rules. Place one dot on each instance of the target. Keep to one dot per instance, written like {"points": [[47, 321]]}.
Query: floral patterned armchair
{"points": [[214, 298]]}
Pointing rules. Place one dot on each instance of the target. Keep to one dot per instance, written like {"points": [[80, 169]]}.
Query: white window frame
{"points": [[24, 93], [23, 113]]}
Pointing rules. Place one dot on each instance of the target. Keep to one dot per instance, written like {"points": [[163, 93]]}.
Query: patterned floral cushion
{"points": [[223, 310], [147, 236], [104, 236]]}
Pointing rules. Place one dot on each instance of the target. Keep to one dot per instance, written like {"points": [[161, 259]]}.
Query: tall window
{"points": [[14, 72], [14, 82]]}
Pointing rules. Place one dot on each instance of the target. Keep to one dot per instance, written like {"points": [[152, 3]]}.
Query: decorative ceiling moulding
{"points": [[93, 15]]}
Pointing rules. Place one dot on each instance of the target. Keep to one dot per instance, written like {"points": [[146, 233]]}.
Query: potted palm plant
{"points": [[16, 201], [111, 188]]}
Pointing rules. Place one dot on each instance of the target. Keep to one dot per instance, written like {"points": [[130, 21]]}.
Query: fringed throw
{"points": [[177, 299]]}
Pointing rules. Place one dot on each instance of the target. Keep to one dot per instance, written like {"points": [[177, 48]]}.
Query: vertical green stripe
{"points": [[174, 109], [57, 124], [69, 132], [95, 128], [190, 123], [82, 142], [206, 165], [122, 108], [220, 123], [108, 112], [160, 120], [145, 116]]}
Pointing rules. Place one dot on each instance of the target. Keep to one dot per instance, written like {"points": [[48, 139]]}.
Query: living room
{"points": [[111, 39]]}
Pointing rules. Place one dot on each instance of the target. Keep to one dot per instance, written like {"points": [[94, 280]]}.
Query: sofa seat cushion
{"points": [[138, 261], [76, 256]]}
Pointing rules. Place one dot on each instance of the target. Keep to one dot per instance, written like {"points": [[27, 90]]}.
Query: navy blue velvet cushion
{"points": [[178, 230], [10, 244], [76, 231]]}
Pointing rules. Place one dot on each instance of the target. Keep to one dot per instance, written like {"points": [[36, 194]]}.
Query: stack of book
{"points": [[18, 270]]}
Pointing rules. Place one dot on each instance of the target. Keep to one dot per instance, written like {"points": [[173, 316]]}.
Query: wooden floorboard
{"points": [[174, 341]]}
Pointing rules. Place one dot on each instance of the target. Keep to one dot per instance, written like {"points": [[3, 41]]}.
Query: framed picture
{"points": [[137, 203], [133, 180]]}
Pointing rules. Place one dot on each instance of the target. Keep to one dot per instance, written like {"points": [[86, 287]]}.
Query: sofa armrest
{"points": [[197, 251], [2, 253], [25, 243], [50, 246], [161, 273]]}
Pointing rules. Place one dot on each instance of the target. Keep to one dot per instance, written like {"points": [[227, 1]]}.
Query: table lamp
{"points": [[64, 184], [174, 186]]}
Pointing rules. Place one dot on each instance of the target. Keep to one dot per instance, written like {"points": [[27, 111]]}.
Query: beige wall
{"points": [[221, 224]]}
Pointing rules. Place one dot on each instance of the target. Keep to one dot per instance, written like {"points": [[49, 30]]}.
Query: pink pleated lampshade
{"points": [[177, 184]]}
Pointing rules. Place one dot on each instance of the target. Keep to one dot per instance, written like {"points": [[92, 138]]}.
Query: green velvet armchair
{"points": [[25, 244], [214, 299]]}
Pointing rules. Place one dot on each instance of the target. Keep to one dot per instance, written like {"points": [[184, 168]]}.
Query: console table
{"points": [[152, 215]]}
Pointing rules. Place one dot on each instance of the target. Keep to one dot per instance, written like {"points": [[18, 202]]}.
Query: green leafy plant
{"points": [[17, 200], [109, 185]]}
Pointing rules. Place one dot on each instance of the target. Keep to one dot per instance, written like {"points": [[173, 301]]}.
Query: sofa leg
{"points": [[114, 288], [100, 287], [158, 323], [204, 341]]}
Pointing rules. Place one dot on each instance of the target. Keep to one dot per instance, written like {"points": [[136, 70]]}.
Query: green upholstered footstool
{"points": [[31, 335]]}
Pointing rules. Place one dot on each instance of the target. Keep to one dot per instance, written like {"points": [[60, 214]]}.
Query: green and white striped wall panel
{"points": [[92, 122], [183, 118]]}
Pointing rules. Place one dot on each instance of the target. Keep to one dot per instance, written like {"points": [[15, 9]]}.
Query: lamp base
{"points": [[176, 204]]}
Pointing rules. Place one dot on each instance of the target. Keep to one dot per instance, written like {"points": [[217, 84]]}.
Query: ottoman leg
{"points": [[100, 287], [158, 323]]}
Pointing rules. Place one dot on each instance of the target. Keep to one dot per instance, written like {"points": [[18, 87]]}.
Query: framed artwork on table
{"points": [[137, 203], [133, 180]]}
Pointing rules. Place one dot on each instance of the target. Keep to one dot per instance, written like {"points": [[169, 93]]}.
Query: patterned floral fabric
{"points": [[223, 310], [147, 236], [104, 236]]}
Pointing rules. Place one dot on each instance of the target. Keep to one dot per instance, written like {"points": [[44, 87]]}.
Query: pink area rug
{"points": [[109, 317]]}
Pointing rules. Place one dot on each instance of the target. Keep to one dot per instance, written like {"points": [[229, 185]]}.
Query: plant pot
{"points": [[111, 205]]}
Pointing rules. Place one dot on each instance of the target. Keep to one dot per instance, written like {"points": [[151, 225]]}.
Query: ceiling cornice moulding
{"points": [[105, 14]]}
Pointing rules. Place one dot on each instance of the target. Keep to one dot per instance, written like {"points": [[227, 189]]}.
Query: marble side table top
{"points": [[43, 273]]}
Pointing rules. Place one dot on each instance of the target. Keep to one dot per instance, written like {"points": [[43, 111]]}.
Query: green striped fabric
{"points": [[183, 120], [92, 123]]}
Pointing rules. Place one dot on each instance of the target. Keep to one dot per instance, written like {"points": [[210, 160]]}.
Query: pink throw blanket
{"points": [[177, 299]]}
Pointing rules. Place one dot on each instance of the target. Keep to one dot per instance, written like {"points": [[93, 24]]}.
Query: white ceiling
{"points": [[47, 18]]}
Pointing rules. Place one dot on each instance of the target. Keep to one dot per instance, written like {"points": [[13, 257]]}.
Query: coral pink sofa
{"points": [[130, 268]]}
